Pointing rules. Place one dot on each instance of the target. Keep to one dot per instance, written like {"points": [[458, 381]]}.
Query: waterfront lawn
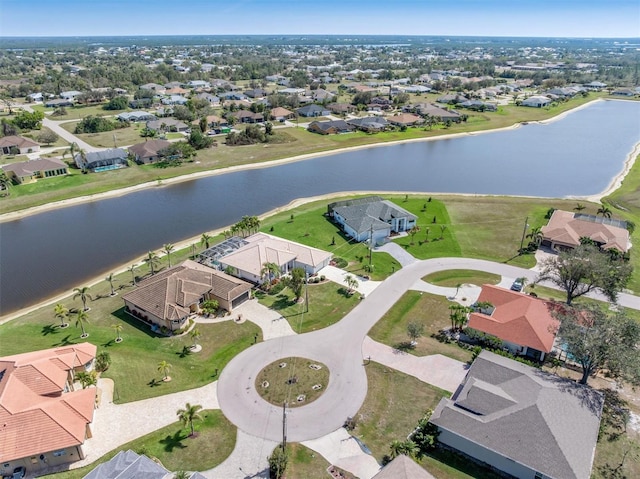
{"points": [[453, 277], [436, 235], [216, 438], [625, 203], [311, 227], [423, 308], [135, 359], [328, 304]]}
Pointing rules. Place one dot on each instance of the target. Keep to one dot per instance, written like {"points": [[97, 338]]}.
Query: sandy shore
{"points": [[615, 183]]}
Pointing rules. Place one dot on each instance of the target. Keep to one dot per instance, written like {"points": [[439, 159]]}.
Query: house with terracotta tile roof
{"points": [[565, 229], [521, 420], [524, 323], [44, 422], [279, 113], [248, 260], [167, 299]]}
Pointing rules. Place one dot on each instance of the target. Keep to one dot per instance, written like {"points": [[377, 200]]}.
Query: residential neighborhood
{"points": [[355, 332]]}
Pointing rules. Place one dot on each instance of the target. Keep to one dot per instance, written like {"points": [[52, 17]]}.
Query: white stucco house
{"points": [[536, 101], [371, 218]]}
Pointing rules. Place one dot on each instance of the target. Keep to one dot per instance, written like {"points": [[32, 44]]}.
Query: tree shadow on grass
{"points": [[66, 341], [345, 292], [50, 329], [282, 302], [172, 442], [136, 323], [109, 343], [155, 382]]}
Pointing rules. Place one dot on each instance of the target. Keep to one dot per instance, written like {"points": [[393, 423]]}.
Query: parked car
{"points": [[18, 473], [517, 285]]}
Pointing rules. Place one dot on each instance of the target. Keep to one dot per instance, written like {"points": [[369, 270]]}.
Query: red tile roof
{"points": [[564, 228], [36, 415], [517, 318]]}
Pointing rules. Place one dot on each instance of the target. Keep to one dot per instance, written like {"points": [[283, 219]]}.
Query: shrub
{"points": [[103, 361], [340, 262]]}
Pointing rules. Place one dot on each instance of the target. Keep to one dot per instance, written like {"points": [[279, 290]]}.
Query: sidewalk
{"points": [[437, 370]]}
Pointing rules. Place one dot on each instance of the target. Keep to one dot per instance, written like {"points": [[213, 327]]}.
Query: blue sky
{"points": [[556, 18]]}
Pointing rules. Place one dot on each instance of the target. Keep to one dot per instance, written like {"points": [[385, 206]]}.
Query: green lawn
{"points": [[328, 304], [310, 227], [109, 139], [134, 361], [274, 383], [423, 308], [215, 441], [453, 277], [78, 112], [305, 463]]}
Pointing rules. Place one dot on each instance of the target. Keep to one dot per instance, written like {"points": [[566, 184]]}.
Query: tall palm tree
{"points": [[117, 328], [81, 319], [152, 260], [270, 271], [110, 279], [168, 249], [535, 235], [195, 334], [190, 414], [132, 270], [164, 367], [62, 313], [205, 240], [73, 149], [604, 211], [83, 294]]}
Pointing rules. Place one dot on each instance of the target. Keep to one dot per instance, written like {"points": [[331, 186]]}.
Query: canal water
{"points": [[48, 253]]}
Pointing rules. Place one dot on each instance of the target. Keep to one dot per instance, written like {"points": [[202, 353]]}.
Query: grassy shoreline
{"points": [[302, 145]]}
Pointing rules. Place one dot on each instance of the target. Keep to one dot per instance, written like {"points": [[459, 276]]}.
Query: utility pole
{"points": [[284, 425], [370, 245], [524, 230], [306, 291]]}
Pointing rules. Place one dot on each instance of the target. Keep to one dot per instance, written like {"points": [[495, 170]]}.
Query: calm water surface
{"points": [[55, 251]]}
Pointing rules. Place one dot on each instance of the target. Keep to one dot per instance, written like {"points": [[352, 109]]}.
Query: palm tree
{"points": [[83, 294], [110, 279], [73, 149], [168, 249], [205, 239], [442, 229], [87, 378], [117, 328], [195, 334], [5, 181], [164, 367], [398, 448], [604, 211], [188, 415], [413, 231], [61, 312], [152, 260], [270, 271], [81, 319], [535, 235], [132, 270], [351, 283]]}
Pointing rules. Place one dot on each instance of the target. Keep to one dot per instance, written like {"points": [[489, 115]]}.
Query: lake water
{"points": [[49, 253]]}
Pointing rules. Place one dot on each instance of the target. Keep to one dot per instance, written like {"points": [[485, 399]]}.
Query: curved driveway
{"points": [[339, 347]]}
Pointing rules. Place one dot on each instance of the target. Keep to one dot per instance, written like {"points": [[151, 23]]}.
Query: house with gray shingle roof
{"points": [[403, 468], [371, 218], [104, 160], [131, 465], [521, 420]]}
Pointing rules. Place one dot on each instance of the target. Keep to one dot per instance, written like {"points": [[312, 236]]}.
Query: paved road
{"points": [[340, 348], [71, 138]]}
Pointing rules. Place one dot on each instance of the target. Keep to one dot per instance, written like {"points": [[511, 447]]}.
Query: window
{"points": [[59, 453]]}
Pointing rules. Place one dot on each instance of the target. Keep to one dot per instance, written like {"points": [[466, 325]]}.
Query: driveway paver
{"points": [[343, 450]]}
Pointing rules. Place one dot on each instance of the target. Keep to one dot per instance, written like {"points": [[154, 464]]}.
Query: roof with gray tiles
{"points": [[376, 213], [547, 423]]}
